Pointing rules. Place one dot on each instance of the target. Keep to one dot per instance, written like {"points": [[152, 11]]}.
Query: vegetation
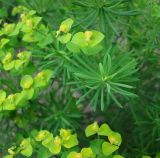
{"points": [[73, 72]]}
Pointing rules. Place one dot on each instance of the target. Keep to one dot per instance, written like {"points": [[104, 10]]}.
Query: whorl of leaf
{"points": [[112, 78]]}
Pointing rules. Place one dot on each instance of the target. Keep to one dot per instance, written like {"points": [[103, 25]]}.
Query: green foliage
{"points": [[102, 80], [64, 64], [106, 13]]}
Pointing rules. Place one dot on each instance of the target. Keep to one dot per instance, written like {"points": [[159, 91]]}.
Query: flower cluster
{"points": [[52, 143], [65, 142], [30, 89], [28, 29], [88, 42], [9, 63]]}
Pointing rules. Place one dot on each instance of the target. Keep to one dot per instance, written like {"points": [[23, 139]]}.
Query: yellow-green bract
{"points": [[66, 142], [63, 34], [30, 88]]}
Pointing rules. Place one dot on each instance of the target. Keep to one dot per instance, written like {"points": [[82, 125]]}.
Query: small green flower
{"points": [[74, 154], [8, 62], [26, 147], [3, 42], [9, 103], [29, 24], [85, 153], [24, 56], [23, 17], [65, 134], [26, 82], [115, 138], [7, 58], [27, 85], [42, 78], [66, 25], [56, 145], [12, 101], [86, 41], [48, 140], [12, 150], [63, 34], [71, 141], [42, 135], [8, 28], [18, 9]]}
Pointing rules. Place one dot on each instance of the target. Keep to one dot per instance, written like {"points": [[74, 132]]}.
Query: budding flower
{"points": [[57, 140], [23, 17], [112, 140], [25, 143], [88, 35], [26, 82], [65, 134], [63, 28], [42, 135], [20, 55], [78, 155], [95, 127], [40, 75], [11, 150], [7, 58], [29, 23], [11, 97]]}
